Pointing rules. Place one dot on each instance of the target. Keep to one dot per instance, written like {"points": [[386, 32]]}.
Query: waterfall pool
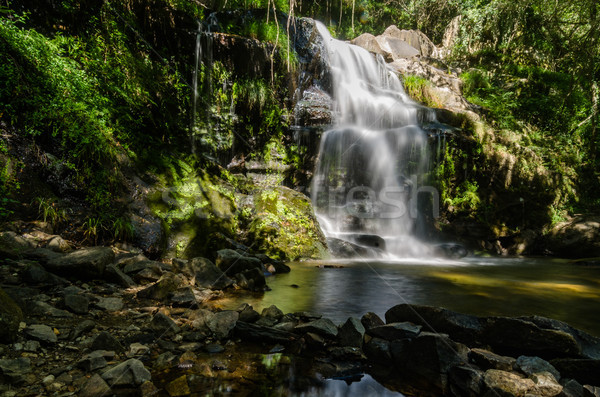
{"points": [[339, 289]]}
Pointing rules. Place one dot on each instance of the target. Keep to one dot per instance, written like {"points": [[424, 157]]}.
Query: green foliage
{"points": [[48, 211], [92, 230], [122, 229], [420, 89]]}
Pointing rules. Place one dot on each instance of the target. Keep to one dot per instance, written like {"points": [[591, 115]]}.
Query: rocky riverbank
{"points": [[101, 321]]}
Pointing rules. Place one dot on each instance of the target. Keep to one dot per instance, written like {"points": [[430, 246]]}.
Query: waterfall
{"points": [[366, 184]]}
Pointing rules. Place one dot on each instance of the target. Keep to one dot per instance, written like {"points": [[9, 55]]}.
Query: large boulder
{"points": [[460, 327], [285, 227], [13, 246], [394, 48], [86, 263], [163, 288], [208, 275], [10, 317], [415, 38], [577, 238], [314, 109], [127, 374], [232, 262], [369, 43]]}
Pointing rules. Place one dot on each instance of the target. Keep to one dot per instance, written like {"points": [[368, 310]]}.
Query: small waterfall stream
{"points": [[371, 163]]}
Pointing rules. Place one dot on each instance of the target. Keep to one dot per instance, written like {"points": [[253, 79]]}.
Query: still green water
{"points": [[339, 289]]}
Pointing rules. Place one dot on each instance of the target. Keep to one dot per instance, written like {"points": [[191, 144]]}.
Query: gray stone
{"points": [[109, 304], [370, 320], [485, 359], [261, 334], [31, 346], [222, 323], [35, 274], [378, 350], [571, 388], [129, 373], [178, 387], [545, 384], [214, 348], [10, 317], [427, 359], [185, 297], [465, 381], [77, 303], [322, 326], [369, 43], [248, 314], [163, 324], [251, 279], [93, 361], [591, 391], [208, 275], [164, 287], [58, 244], [95, 387], [105, 341], [81, 328], [460, 327], [12, 371], [506, 384], [534, 365], [13, 246], [272, 312], [85, 263], [231, 262], [45, 309], [520, 337], [351, 333], [585, 371], [394, 331], [114, 274], [42, 333], [415, 38], [394, 48]]}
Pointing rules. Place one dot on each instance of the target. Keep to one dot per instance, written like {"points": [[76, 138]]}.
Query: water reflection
{"points": [[366, 386], [482, 286]]}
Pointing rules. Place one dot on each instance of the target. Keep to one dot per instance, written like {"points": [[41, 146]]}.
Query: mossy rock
{"points": [[284, 226], [192, 210], [10, 317]]}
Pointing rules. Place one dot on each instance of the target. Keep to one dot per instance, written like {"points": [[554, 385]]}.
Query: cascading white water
{"points": [[369, 165]]}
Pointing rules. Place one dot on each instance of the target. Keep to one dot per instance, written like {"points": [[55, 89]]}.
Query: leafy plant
{"points": [[122, 229], [92, 229], [48, 211]]}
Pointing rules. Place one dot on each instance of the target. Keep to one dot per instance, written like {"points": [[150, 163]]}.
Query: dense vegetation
{"points": [[94, 85]]}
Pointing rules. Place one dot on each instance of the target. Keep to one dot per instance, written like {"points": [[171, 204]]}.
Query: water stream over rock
{"points": [[369, 182]]}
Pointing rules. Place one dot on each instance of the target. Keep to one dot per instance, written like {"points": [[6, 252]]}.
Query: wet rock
{"points": [[534, 365], [579, 238], [545, 384], [450, 250], [13, 371], [58, 244], [84, 264], [162, 324], [272, 312], [82, 328], [266, 322], [137, 349], [129, 373], [214, 348], [351, 333], [252, 279], [378, 350], [585, 371], [109, 304], [322, 326], [178, 387], [208, 275], [222, 323], [428, 357], [13, 246], [77, 303], [345, 249], [31, 346], [10, 317], [465, 381], [394, 331], [460, 327], [314, 108], [105, 341], [42, 333], [35, 274], [504, 383], [160, 290], [515, 336], [147, 389], [485, 359], [589, 345], [115, 275], [258, 333], [248, 314], [370, 320], [185, 297], [232, 262]]}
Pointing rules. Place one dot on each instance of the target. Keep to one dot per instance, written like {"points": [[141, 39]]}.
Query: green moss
{"points": [[284, 225]]}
